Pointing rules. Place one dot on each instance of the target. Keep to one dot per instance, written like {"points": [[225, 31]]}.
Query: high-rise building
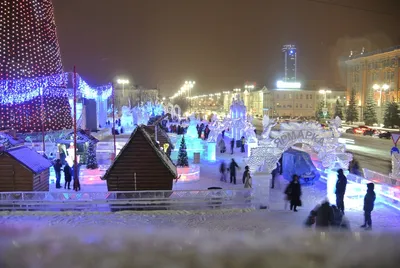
{"points": [[32, 85], [290, 55]]}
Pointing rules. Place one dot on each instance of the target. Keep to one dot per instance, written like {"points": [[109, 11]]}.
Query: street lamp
{"points": [[324, 92], [379, 88], [249, 87], [123, 82]]}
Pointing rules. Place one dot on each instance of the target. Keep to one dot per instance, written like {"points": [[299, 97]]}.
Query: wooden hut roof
{"points": [[162, 136], [161, 155], [29, 158], [81, 136], [9, 141]]}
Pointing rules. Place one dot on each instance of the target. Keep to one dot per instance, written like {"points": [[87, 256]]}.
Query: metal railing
{"points": [[381, 178], [114, 201]]}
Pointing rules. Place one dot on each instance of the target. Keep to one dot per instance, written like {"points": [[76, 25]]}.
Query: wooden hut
{"points": [[23, 169], [140, 166]]}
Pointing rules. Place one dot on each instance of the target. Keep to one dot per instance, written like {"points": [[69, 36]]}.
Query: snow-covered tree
{"points": [[319, 114], [338, 110], [391, 117], [351, 111], [370, 111]]}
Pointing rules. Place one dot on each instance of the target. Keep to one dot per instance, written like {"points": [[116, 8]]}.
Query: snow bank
{"points": [[126, 247]]}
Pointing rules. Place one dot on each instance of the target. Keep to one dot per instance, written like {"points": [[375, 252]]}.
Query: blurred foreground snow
{"points": [[99, 247]]}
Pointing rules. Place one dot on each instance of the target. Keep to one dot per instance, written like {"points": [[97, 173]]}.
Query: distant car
{"points": [[362, 130], [351, 130], [385, 135], [370, 132]]}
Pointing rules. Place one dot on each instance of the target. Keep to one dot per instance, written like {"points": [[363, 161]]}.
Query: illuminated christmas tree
{"points": [[32, 83], [91, 157], [182, 156]]}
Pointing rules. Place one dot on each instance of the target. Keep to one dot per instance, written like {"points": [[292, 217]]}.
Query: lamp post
{"points": [[379, 88], [123, 82], [324, 92]]}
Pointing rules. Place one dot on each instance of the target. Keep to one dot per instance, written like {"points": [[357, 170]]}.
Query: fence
{"points": [[115, 201], [381, 178]]}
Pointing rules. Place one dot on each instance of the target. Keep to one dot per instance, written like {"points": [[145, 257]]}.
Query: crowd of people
{"points": [[203, 131], [68, 175], [233, 166], [326, 215]]}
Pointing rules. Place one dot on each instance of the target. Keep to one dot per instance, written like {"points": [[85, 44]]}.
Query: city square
{"points": [[200, 147]]}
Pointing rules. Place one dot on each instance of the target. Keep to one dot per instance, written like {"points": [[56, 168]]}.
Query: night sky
{"points": [[219, 43]]}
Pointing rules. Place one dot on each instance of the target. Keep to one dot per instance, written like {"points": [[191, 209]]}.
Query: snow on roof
{"points": [[163, 157], [82, 136], [30, 159]]}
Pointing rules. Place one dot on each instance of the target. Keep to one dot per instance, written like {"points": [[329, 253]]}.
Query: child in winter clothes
{"points": [[369, 201]]}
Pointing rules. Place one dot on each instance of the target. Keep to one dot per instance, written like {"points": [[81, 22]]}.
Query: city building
{"points": [[300, 102], [290, 57], [134, 95], [377, 72]]}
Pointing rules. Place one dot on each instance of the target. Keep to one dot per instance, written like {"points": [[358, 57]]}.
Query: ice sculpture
{"points": [[323, 142]]}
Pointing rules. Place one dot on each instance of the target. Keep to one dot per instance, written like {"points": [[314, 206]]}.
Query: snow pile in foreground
{"points": [[118, 247]]}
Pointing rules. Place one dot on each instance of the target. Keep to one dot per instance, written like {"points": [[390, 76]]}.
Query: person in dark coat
{"points": [[274, 175], [67, 176], [243, 141], [222, 170], [57, 170], [245, 173], [223, 134], [293, 193], [325, 217], [340, 190], [232, 145], [369, 201], [232, 170]]}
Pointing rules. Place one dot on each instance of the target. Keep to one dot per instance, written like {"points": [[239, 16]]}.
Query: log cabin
{"points": [[23, 169], [140, 166]]}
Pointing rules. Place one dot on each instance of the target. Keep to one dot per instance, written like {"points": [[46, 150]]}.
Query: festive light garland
{"points": [[22, 90], [89, 92]]}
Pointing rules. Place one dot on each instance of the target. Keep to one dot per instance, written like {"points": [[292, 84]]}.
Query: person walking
{"points": [[57, 170], [232, 171], [340, 190], [222, 170], [243, 142], [247, 181], [369, 201], [293, 193], [232, 145], [275, 173], [222, 147], [67, 176]]}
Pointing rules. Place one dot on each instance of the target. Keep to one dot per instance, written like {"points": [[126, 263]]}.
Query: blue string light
{"points": [[22, 90], [89, 92]]}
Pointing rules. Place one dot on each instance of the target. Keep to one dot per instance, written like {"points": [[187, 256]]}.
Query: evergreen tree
{"points": [[319, 114], [370, 111], [351, 112], [182, 155], [91, 157], [391, 117], [338, 110]]}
